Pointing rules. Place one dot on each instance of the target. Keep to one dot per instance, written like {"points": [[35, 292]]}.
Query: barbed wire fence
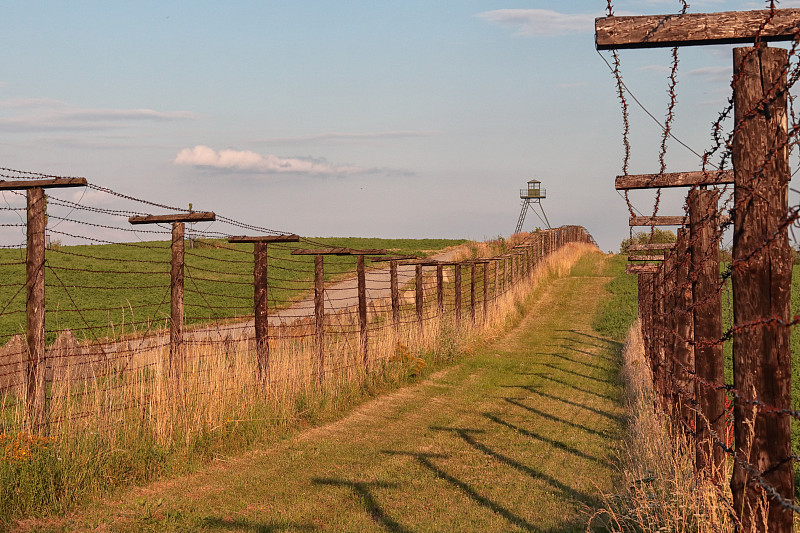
{"points": [[686, 329], [106, 325]]}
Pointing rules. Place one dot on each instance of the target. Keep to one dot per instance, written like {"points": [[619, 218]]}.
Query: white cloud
{"points": [[246, 160], [540, 22], [47, 114]]}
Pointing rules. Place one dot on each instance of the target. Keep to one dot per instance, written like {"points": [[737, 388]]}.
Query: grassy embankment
{"points": [[132, 426], [518, 435]]}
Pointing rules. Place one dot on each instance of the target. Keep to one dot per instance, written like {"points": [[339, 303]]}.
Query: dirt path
{"points": [[519, 436]]}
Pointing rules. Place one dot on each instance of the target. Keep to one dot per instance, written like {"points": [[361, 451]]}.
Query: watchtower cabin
{"points": [[533, 193]]}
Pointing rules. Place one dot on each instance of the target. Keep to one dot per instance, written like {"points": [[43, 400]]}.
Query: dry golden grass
{"points": [[661, 491], [113, 416]]}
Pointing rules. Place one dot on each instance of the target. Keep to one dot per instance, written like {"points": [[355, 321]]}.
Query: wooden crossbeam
{"points": [[674, 179], [658, 221], [336, 251], [641, 269], [199, 216], [653, 246], [53, 183], [645, 258], [264, 238], [693, 29]]}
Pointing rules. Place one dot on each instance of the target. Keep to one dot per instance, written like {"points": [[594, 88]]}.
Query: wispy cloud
{"points": [[540, 22], [347, 137], [247, 161], [46, 114]]}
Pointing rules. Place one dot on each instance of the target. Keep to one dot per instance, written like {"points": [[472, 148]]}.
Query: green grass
{"points": [[108, 291], [518, 436]]}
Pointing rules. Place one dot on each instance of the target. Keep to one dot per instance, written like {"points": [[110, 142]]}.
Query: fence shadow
{"points": [[518, 403], [364, 490], [425, 460], [616, 418], [568, 493]]}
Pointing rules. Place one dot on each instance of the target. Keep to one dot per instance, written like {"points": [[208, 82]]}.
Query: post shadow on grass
{"points": [[569, 385], [566, 492], [364, 490], [577, 374], [517, 402], [220, 524], [616, 418], [425, 460], [600, 342], [564, 357], [593, 355], [552, 442]]}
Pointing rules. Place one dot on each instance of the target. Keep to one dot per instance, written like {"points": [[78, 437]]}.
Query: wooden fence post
{"points": [[472, 301], [683, 349], [440, 288], [496, 263], [485, 291], [36, 390], [319, 317], [261, 318], [395, 291], [176, 351], [457, 284], [709, 363], [419, 294], [260, 300], [761, 285], [669, 331], [362, 312]]}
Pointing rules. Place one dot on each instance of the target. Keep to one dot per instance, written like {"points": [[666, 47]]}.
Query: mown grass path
{"points": [[519, 436]]}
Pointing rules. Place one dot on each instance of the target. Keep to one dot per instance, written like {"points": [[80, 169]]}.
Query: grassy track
{"points": [[520, 436]]}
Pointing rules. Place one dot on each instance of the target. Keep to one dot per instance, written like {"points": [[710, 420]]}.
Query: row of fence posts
{"points": [[516, 265], [681, 311]]}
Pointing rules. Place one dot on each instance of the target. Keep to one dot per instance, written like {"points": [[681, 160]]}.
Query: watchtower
{"points": [[533, 194]]}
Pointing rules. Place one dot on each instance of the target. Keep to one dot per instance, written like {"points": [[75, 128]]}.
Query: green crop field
{"points": [[107, 291]]}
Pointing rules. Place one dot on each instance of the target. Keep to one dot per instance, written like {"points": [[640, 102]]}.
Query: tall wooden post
{"points": [[505, 275], [261, 318], [36, 391], [319, 317], [472, 292], [440, 288], [35, 386], [362, 312], [419, 294], [260, 299], [761, 284], [683, 349], [709, 363], [176, 352], [645, 286], [485, 291], [395, 292], [496, 263], [457, 288], [669, 331]]}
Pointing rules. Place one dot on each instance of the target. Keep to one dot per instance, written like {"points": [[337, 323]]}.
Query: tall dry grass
{"points": [[123, 424], [661, 491]]}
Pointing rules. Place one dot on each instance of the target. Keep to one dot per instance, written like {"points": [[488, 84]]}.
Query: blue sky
{"points": [[358, 118]]}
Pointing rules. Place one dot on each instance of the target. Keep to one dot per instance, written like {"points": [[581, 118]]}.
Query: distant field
{"points": [[110, 290]]}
